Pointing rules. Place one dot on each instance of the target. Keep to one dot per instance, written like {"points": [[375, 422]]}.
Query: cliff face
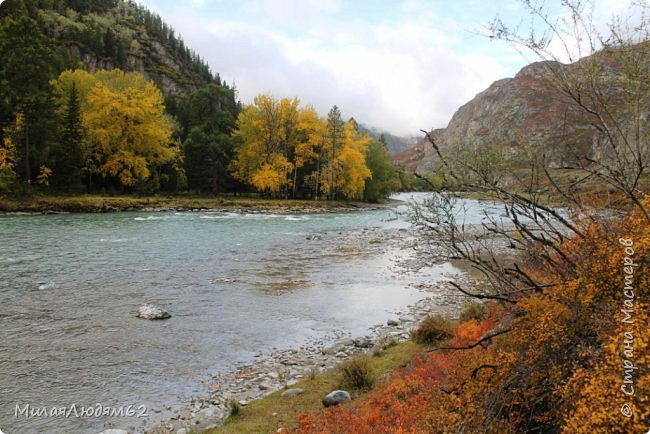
{"points": [[122, 34], [524, 111]]}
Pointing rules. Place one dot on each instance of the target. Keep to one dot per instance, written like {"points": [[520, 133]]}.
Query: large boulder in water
{"points": [[336, 397], [149, 311]]}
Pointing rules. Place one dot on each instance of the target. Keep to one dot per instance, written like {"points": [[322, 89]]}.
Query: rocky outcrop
{"points": [[514, 112], [126, 36], [529, 111]]}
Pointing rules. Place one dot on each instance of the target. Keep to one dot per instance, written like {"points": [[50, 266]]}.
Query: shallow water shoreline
{"points": [[280, 368], [284, 368]]}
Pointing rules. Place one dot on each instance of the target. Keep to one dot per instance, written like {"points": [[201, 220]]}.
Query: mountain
{"points": [[394, 143], [410, 158], [528, 111], [107, 34]]}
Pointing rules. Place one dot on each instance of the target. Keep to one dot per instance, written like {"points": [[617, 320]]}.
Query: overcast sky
{"points": [[398, 65]]}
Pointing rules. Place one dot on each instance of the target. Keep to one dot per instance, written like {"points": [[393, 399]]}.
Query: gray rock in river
{"points": [[336, 397], [149, 311], [114, 431]]}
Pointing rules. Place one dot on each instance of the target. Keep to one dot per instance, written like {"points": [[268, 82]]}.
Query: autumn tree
{"points": [[334, 135], [127, 136], [276, 140], [307, 153], [345, 171], [7, 160], [557, 269], [285, 149]]}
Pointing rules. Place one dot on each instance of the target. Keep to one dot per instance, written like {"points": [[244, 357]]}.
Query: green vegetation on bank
{"points": [[269, 414]]}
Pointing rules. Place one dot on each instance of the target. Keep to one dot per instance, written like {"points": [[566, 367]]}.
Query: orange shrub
{"points": [[561, 368]]}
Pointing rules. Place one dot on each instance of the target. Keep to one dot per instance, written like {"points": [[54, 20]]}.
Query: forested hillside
{"points": [[104, 96]]}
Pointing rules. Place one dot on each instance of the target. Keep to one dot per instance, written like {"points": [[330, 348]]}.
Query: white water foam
{"points": [[297, 218], [145, 219]]}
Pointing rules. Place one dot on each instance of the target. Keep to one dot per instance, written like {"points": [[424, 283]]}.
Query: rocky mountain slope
{"points": [[523, 111], [107, 34]]}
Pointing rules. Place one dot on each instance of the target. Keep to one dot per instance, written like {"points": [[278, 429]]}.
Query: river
{"points": [[235, 284]]}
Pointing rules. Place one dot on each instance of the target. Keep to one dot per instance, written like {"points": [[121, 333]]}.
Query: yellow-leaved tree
{"points": [[275, 141], [353, 160], [308, 151], [284, 148], [127, 135], [346, 172], [8, 158]]}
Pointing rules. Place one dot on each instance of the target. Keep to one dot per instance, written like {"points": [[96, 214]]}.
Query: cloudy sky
{"points": [[398, 65]]}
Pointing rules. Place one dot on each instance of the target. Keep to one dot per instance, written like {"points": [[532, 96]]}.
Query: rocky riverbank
{"points": [[50, 204], [282, 368]]}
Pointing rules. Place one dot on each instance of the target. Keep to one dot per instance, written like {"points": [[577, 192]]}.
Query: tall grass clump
{"points": [[432, 329], [358, 373]]}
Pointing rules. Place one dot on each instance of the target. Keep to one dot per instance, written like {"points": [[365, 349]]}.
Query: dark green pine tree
{"points": [[208, 117], [335, 137], [67, 158], [25, 72]]}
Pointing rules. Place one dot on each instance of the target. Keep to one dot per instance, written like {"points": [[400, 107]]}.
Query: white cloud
{"points": [[402, 73]]}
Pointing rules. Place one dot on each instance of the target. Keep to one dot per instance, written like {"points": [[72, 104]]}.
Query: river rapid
{"points": [[236, 285]]}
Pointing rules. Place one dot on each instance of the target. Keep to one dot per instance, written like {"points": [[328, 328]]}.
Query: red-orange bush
{"points": [[560, 368]]}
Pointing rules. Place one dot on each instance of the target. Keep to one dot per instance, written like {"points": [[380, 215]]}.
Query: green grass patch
{"points": [[258, 416]]}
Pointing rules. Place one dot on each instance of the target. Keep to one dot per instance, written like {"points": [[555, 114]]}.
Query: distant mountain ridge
{"points": [[395, 144]]}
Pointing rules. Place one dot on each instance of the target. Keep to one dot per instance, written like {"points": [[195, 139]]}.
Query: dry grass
{"points": [[358, 373], [99, 203], [432, 329]]}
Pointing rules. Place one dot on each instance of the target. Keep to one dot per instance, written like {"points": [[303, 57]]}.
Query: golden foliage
{"points": [[7, 153], [127, 131], [277, 137], [267, 132], [347, 171], [44, 175]]}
